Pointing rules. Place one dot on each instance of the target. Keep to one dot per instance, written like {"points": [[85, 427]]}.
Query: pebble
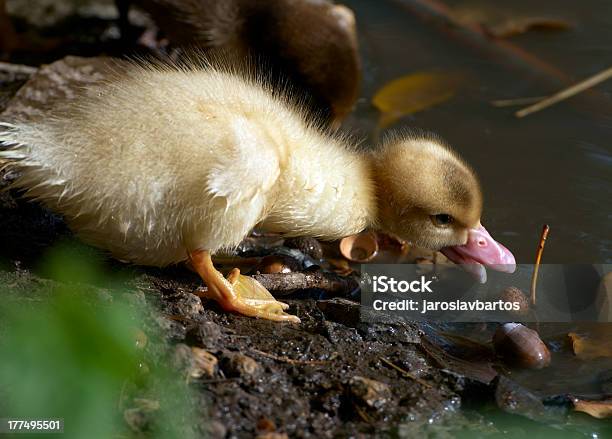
{"points": [[521, 346], [371, 392], [273, 264], [240, 365], [308, 246], [196, 362], [514, 294]]}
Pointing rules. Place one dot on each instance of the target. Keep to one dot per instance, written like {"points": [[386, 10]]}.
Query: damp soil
{"points": [[330, 376]]}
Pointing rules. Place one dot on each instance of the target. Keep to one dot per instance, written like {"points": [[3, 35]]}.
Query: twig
{"points": [[17, 68], [500, 103], [567, 93], [281, 284], [287, 359], [284, 284], [405, 373], [536, 268], [363, 415]]}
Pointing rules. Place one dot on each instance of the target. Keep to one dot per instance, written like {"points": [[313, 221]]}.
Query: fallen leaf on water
{"points": [[413, 93], [590, 348], [597, 409], [502, 22], [521, 25]]}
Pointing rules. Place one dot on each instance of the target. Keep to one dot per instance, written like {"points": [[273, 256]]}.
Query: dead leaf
{"points": [[340, 266], [590, 348], [413, 93], [521, 25], [597, 409], [500, 22]]}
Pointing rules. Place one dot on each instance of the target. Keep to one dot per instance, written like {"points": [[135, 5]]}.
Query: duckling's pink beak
{"points": [[479, 251]]}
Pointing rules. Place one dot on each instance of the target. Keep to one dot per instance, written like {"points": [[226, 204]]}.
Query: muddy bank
{"points": [[329, 376]]}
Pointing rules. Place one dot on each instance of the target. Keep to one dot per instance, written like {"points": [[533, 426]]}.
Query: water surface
{"points": [[551, 167]]}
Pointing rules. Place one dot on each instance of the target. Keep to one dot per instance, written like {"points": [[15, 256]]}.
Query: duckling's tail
{"points": [[10, 148], [26, 153], [12, 151]]}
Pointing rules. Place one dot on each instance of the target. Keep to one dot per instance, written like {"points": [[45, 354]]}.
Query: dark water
{"points": [[551, 167]]}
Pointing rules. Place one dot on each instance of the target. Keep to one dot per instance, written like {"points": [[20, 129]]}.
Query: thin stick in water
{"points": [[566, 93], [516, 101], [405, 372], [536, 268]]}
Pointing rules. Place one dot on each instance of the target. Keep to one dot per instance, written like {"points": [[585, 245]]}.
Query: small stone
{"points": [[273, 264], [308, 246], [521, 346], [205, 334], [196, 362], [265, 425], [515, 295], [140, 339], [204, 364], [136, 419], [182, 355], [139, 418], [240, 365], [373, 393], [216, 430], [189, 305]]}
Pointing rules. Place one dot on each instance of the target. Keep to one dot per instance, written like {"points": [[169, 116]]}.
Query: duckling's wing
{"points": [[246, 167]]}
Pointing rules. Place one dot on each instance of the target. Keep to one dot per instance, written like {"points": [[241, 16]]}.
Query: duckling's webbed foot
{"points": [[238, 293]]}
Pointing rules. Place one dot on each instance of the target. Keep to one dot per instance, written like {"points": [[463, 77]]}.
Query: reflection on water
{"points": [[551, 167]]}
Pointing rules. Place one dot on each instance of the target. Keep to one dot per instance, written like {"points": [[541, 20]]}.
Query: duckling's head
{"points": [[429, 196]]}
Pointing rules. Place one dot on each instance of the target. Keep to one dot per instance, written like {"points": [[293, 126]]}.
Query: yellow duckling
{"points": [[160, 165]]}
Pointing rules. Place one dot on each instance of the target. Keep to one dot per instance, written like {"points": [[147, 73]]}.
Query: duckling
{"points": [[9, 41], [160, 165], [313, 43]]}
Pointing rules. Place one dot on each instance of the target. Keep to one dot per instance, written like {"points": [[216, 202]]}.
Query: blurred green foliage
{"points": [[70, 351]]}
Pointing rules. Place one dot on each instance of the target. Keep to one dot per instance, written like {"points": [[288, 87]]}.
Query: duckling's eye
{"points": [[442, 220]]}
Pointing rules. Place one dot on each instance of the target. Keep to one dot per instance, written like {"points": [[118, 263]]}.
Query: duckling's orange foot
{"points": [[238, 293], [254, 295]]}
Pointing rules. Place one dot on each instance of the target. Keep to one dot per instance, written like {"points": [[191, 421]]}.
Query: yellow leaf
{"points": [[413, 93], [591, 348], [597, 409], [501, 22]]}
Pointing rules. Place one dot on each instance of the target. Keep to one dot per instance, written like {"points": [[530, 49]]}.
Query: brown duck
{"points": [[312, 43]]}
